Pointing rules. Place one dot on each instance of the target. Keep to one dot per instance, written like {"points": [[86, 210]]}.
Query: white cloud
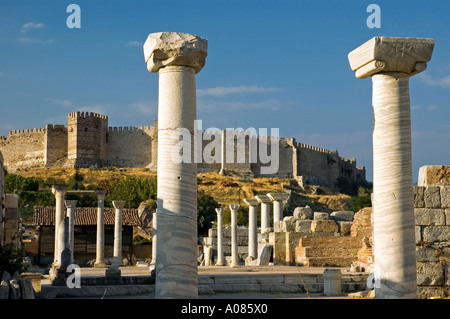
{"points": [[34, 40], [65, 103], [443, 82], [430, 107], [31, 25], [214, 106], [147, 108], [221, 90], [134, 44]]}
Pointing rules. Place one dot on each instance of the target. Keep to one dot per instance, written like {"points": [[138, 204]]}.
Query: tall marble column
{"points": [[100, 248], [154, 238], [390, 62], [234, 237], [118, 206], [265, 211], [178, 57], [220, 256], [71, 206], [277, 199], [252, 226], [59, 192]]}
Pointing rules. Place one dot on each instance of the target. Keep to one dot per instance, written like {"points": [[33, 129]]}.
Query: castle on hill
{"points": [[88, 141]]}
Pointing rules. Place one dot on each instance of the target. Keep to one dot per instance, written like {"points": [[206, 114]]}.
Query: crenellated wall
{"points": [[88, 141]]}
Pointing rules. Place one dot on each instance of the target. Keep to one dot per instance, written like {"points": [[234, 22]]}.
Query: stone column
{"points": [[64, 254], [252, 227], [177, 57], [118, 205], [71, 206], [265, 211], [220, 258], [278, 199], [154, 237], [390, 62], [234, 237], [100, 248], [59, 192]]}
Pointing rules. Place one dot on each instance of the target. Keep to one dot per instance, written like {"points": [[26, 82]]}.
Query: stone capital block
{"points": [[390, 54], [278, 196], [219, 210], [251, 201], [59, 189], [71, 203], [118, 204], [429, 216], [263, 199], [163, 49]]}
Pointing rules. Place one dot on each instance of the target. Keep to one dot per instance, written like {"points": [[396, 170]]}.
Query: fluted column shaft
{"points": [[234, 237], [100, 248], [71, 206], [154, 237], [393, 199], [118, 206], [59, 192], [220, 256]]}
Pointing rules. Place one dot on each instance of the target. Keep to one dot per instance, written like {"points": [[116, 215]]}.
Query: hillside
{"points": [[226, 190]]}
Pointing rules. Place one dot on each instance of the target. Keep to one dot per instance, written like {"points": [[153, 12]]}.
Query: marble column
{"points": [[154, 238], [100, 248], [59, 192], [71, 207], [265, 211], [178, 57], [220, 256], [278, 199], [118, 206], [252, 227], [234, 237], [390, 62], [64, 252]]}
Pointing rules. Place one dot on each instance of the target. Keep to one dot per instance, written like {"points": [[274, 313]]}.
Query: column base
{"points": [[100, 264], [234, 265], [219, 264]]}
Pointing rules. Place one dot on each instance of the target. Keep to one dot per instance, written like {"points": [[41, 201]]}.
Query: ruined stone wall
{"points": [[24, 149], [432, 213]]}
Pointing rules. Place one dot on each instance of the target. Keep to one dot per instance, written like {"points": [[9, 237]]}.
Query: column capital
{"points": [[163, 49], [118, 204], [251, 201], [388, 54], [59, 189], [101, 195], [234, 207], [71, 203], [278, 196], [263, 199], [219, 210]]}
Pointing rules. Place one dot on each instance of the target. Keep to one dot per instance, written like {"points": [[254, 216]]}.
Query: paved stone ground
{"points": [[204, 270]]}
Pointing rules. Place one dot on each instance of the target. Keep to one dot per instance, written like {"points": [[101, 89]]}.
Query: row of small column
{"points": [[64, 229], [265, 200]]}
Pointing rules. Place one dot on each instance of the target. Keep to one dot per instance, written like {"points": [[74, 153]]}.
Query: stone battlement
{"points": [[81, 114], [25, 131], [129, 128]]}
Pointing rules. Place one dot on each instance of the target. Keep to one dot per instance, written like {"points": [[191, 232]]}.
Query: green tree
{"points": [[206, 209], [133, 190], [16, 183], [11, 259]]}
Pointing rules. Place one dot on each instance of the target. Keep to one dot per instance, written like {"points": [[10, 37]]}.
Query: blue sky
{"points": [[271, 64]]}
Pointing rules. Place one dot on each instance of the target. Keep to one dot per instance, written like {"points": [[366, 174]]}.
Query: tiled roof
{"points": [[45, 216]]}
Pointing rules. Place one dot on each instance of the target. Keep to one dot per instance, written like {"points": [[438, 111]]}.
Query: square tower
{"points": [[86, 138]]}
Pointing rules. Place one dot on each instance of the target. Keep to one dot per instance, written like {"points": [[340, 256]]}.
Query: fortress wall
{"points": [[23, 149], [318, 166], [241, 162], [130, 146], [55, 144], [211, 147], [285, 157]]}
